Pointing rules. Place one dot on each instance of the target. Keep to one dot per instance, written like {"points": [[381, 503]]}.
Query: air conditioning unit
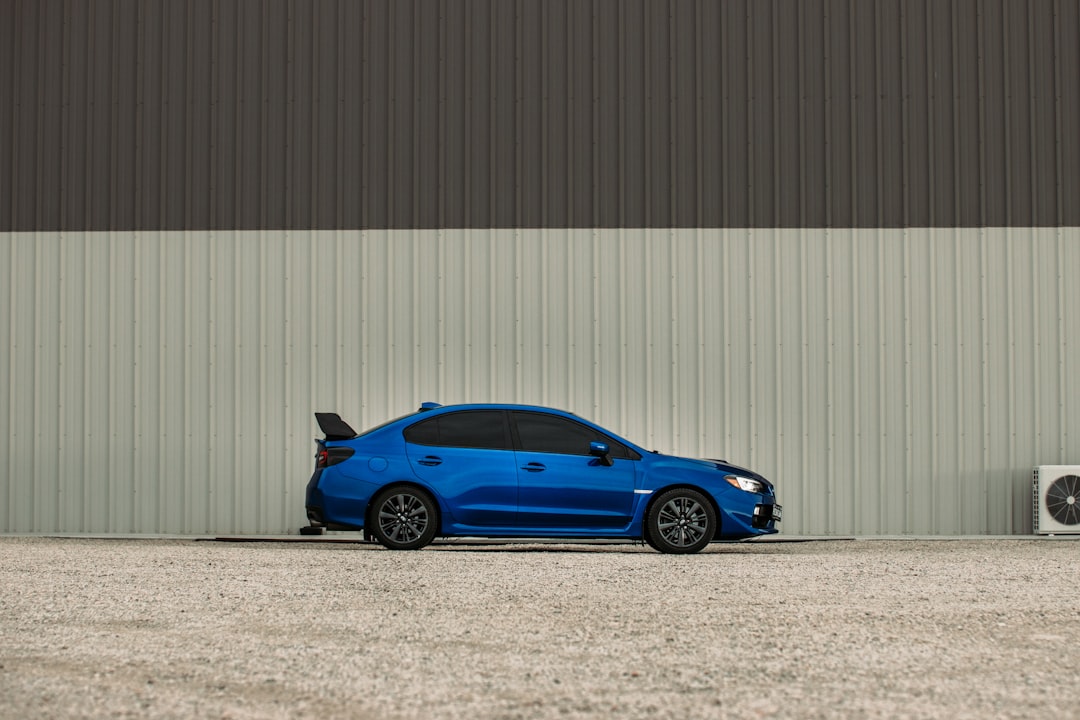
{"points": [[1056, 499]]}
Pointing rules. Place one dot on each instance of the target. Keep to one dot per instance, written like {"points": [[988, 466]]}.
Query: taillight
{"points": [[328, 456]]}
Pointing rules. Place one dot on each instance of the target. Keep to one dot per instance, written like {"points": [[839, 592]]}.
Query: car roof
{"points": [[429, 407]]}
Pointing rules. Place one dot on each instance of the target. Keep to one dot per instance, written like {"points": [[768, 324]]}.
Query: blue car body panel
{"points": [[508, 492], [574, 491], [475, 487]]}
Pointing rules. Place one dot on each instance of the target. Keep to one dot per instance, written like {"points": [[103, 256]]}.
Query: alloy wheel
{"points": [[403, 518]]}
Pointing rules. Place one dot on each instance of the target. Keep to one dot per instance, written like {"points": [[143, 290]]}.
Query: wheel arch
{"points": [[368, 518], [655, 495]]}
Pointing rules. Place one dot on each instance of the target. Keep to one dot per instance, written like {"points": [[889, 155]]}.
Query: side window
{"points": [[469, 429], [553, 434], [423, 433]]}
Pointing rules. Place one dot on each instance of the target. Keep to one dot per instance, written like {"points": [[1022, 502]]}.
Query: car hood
{"points": [[722, 466]]}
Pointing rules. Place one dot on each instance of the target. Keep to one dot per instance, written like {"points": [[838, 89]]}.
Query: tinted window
{"points": [[471, 429], [553, 434], [423, 433]]}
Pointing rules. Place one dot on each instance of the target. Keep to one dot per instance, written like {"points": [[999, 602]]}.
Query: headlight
{"points": [[750, 486]]}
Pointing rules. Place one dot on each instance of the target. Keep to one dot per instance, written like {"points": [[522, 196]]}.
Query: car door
{"points": [[560, 485], [467, 458]]}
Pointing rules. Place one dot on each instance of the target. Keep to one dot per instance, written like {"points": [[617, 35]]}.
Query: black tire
{"points": [[404, 518], [680, 521], [647, 537]]}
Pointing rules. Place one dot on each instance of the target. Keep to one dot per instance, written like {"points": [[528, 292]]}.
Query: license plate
{"points": [[777, 511]]}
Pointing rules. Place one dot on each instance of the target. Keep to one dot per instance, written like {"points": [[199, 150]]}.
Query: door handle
{"points": [[430, 461], [534, 467]]}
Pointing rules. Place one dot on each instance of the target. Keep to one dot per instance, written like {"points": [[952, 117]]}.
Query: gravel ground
{"points": [[860, 628]]}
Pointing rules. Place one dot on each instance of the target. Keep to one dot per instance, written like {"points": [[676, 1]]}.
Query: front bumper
{"points": [[766, 515]]}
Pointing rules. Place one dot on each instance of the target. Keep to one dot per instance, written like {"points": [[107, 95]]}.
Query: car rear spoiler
{"points": [[334, 427]]}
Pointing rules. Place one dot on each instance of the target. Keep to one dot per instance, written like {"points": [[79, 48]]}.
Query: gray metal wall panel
{"points": [[889, 381], [643, 113]]}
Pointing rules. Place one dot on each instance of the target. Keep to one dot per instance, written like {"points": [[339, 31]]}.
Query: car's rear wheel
{"points": [[404, 518], [680, 521]]}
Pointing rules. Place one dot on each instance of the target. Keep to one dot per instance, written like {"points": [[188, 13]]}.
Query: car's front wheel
{"points": [[680, 521], [404, 518]]}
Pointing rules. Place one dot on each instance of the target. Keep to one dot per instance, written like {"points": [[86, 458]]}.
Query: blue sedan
{"points": [[506, 471]]}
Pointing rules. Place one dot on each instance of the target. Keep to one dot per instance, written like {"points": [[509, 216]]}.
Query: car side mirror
{"points": [[602, 451]]}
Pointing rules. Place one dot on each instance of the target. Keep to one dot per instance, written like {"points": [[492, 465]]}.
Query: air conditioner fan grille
{"points": [[1063, 500]]}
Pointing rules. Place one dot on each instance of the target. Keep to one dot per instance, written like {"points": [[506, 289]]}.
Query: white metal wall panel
{"points": [[890, 381]]}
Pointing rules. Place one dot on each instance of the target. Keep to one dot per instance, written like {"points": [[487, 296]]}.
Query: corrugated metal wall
{"points": [[211, 219], [225, 114], [890, 381]]}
